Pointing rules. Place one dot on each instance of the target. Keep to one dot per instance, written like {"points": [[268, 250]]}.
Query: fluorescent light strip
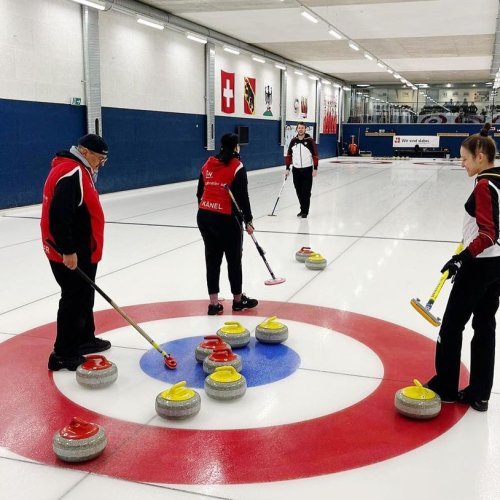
{"points": [[151, 24], [334, 33], [353, 45], [280, 66], [326, 82], [369, 56], [390, 71], [297, 72], [196, 38], [381, 65], [312, 77], [89, 3], [258, 59], [309, 16], [232, 51]]}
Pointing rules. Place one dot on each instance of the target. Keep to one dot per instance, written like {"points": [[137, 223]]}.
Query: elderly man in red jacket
{"points": [[73, 220]]}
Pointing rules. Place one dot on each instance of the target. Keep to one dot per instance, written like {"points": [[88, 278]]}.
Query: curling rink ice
{"points": [[318, 418]]}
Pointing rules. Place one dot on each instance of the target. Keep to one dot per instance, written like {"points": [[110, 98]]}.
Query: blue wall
{"points": [[147, 148], [382, 146], [30, 134]]}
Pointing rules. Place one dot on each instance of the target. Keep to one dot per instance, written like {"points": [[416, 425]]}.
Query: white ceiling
{"points": [[425, 41]]}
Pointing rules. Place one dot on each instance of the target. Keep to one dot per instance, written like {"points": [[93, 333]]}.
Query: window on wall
{"points": [[428, 104]]}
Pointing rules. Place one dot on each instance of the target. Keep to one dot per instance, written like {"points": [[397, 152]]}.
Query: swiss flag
{"points": [[227, 92]]}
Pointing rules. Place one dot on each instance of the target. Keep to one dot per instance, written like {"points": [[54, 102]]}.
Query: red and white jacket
{"points": [[482, 216], [72, 215], [212, 194]]}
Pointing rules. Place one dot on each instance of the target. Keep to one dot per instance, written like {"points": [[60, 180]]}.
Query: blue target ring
{"points": [[262, 363]]}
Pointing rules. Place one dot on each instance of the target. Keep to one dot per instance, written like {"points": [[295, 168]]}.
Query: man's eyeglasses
{"points": [[102, 158]]}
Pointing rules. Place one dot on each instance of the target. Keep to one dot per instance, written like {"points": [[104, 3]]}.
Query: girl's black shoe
{"points": [[478, 405], [215, 309], [71, 363]]}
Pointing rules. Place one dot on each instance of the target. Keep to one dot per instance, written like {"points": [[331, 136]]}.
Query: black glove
{"points": [[455, 263]]}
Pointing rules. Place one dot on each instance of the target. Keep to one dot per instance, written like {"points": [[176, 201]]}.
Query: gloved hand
{"points": [[455, 263]]}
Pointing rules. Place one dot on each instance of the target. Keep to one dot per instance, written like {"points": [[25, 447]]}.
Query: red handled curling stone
{"points": [[271, 331], [302, 254], [178, 402], [79, 441], [206, 347], [316, 262], [96, 372], [234, 334], [225, 384], [221, 357], [417, 402]]}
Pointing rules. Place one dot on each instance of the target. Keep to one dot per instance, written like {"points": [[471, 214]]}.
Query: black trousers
{"points": [[222, 235], [75, 317], [303, 180], [475, 293]]}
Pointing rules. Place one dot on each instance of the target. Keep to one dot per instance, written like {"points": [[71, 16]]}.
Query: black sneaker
{"points": [[244, 303], [71, 363], [299, 214], [304, 216], [215, 309], [445, 398], [478, 405], [96, 345]]}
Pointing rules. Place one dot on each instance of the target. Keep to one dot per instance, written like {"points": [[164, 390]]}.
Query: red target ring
{"points": [[370, 431]]}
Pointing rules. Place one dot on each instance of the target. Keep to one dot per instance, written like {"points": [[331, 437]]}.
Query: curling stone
{"points": [[96, 372], [234, 334], [315, 262], [225, 383], [79, 441], [178, 402], [417, 401], [221, 357], [206, 347], [302, 254], [271, 331]]}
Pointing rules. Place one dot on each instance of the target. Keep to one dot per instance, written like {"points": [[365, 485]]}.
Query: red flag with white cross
{"points": [[227, 92]]}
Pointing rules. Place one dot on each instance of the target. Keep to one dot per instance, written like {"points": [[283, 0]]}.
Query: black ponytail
{"points": [[482, 143]]}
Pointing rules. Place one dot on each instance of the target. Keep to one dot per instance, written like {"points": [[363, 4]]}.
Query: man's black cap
{"points": [[94, 142]]}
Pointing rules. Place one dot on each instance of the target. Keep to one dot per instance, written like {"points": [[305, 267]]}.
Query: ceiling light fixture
{"points": [[297, 72], [326, 82], [94, 4], [232, 51], [390, 71], [310, 17], [381, 65], [368, 56], [258, 59], [312, 77], [353, 45], [150, 24], [196, 38], [334, 33], [280, 66]]}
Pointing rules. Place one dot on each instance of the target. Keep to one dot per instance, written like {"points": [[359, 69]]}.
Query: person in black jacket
{"points": [[72, 226], [302, 154], [219, 224], [476, 288]]}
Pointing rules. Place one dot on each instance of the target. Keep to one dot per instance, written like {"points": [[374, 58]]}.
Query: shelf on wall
{"points": [[380, 134], [453, 134]]}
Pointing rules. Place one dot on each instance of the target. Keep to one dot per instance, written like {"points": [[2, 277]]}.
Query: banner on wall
{"points": [[268, 99], [249, 95], [227, 92], [409, 141], [329, 115]]}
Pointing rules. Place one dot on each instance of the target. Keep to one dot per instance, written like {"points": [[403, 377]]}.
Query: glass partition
{"points": [[427, 104]]}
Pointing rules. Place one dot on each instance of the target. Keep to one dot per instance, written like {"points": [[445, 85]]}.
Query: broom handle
{"points": [[442, 281], [115, 306]]}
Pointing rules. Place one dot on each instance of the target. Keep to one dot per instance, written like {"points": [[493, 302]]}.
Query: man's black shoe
{"points": [[215, 309], [304, 216], [244, 303], [299, 214], [478, 405], [445, 398], [96, 345], [71, 363]]}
